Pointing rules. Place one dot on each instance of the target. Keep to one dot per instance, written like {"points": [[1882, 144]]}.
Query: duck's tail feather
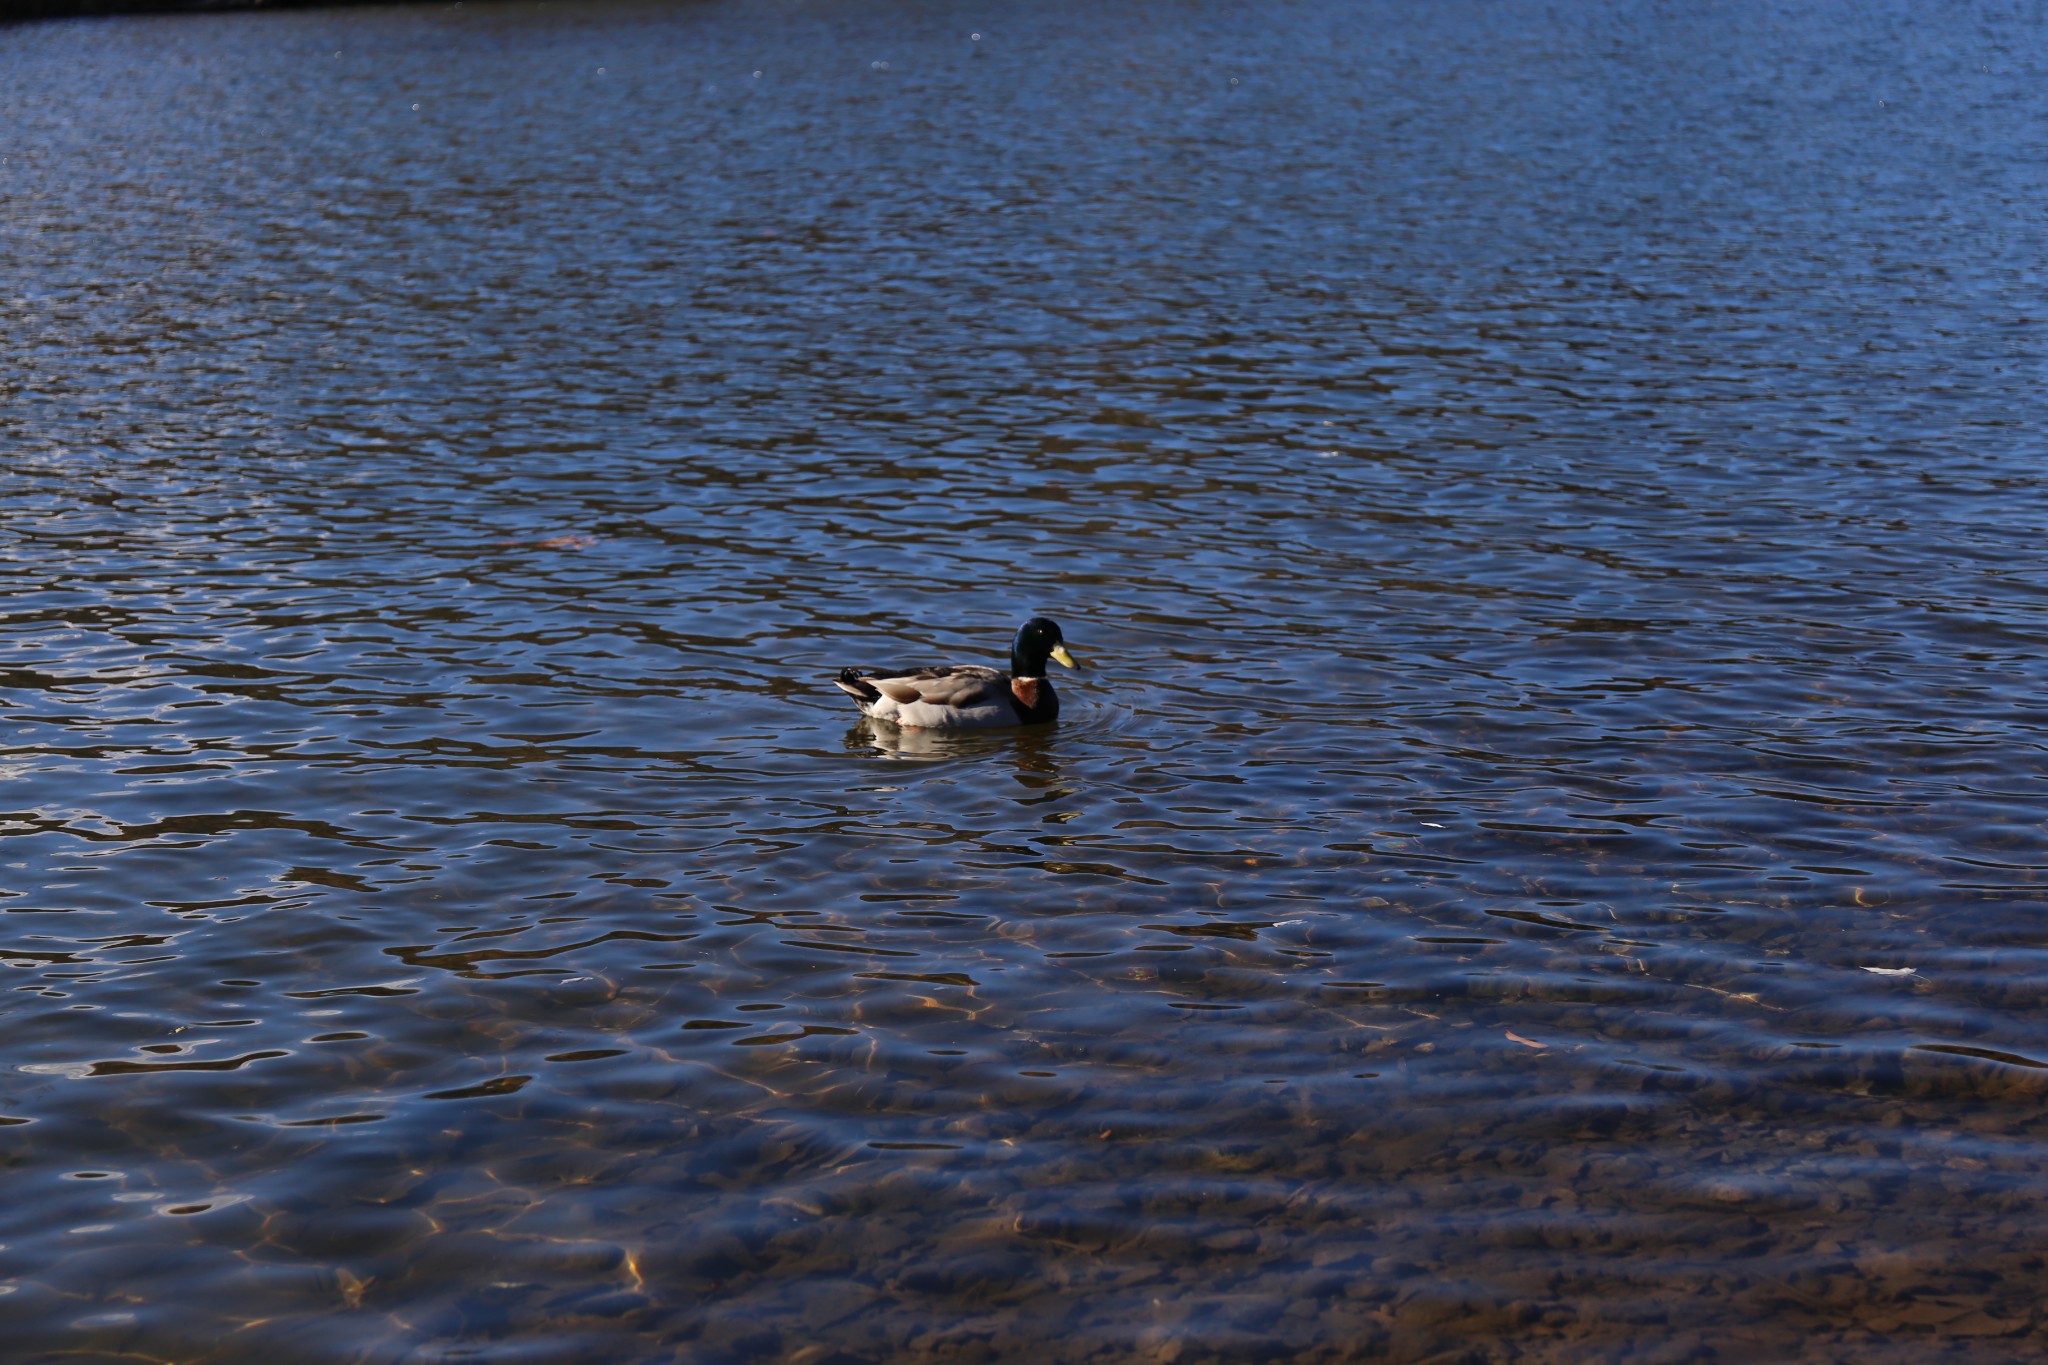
{"points": [[854, 685]]}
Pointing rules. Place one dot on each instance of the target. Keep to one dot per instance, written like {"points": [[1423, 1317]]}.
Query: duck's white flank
{"points": [[925, 715]]}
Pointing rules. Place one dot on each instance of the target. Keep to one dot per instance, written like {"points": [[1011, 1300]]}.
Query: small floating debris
{"points": [[1892, 971], [565, 542]]}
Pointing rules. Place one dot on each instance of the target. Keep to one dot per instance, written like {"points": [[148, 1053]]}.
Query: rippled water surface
{"points": [[1543, 861]]}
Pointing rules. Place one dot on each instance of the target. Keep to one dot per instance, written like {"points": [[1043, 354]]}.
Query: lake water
{"points": [[1543, 861]]}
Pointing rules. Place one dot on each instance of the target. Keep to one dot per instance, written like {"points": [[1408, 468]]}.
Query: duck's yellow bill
{"points": [[1060, 656]]}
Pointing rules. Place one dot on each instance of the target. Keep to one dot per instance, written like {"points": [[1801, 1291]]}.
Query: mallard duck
{"points": [[967, 696]]}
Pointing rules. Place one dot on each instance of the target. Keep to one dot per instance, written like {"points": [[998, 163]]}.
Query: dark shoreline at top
{"points": [[22, 11]]}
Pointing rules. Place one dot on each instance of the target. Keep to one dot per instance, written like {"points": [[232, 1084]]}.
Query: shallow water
{"points": [[1543, 860]]}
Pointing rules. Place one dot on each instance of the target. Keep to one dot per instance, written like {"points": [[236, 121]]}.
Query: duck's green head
{"points": [[1038, 640]]}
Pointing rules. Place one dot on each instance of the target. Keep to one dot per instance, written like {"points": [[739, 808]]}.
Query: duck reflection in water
{"points": [[1031, 750]]}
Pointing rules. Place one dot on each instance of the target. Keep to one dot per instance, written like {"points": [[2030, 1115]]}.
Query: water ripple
{"points": [[1544, 848]]}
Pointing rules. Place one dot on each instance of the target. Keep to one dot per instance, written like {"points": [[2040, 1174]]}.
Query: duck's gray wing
{"points": [[957, 685]]}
